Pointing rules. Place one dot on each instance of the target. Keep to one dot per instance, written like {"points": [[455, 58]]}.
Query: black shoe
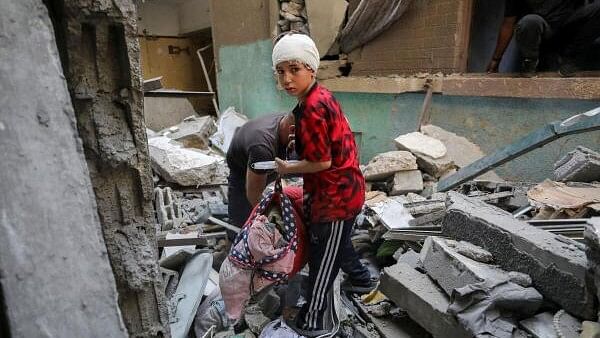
{"points": [[568, 68], [359, 287], [529, 67]]}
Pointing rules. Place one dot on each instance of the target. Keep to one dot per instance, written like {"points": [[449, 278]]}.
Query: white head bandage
{"points": [[296, 47]]}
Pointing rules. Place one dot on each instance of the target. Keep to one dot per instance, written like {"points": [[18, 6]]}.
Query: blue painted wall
{"points": [[246, 81]]}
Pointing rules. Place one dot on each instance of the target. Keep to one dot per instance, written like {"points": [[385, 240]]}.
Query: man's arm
{"points": [[302, 167], [255, 185], [504, 37]]}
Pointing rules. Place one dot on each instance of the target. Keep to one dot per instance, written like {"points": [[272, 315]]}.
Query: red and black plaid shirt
{"points": [[322, 134]]}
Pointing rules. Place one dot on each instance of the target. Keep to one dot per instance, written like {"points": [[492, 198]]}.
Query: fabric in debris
{"points": [[296, 47], [492, 309], [211, 313], [279, 329], [263, 255], [370, 19]]}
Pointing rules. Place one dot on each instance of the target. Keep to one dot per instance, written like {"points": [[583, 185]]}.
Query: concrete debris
{"points": [[160, 112], [374, 197], [558, 270], [185, 166], [566, 325], [436, 167], [325, 19], [590, 329], [591, 235], [229, 121], [406, 182], [168, 212], [520, 278], [579, 165], [421, 145], [385, 165], [192, 132], [424, 302], [153, 84], [170, 280], [184, 303], [560, 200], [540, 325], [411, 259], [175, 261], [472, 251], [171, 250], [452, 270], [293, 16], [460, 150], [392, 214], [329, 70]]}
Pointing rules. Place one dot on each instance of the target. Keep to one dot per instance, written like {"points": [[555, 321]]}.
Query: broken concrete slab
{"points": [[386, 164], [452, 270], [392, 214], [192, 132], [558, 270], [163, 112], [591, 236], [436, 167], [473, 252], [540, 325], [411, 259], [566, 325], [421, 144], [407, 181], [579, 165], [325, 19], [185, 166], [424, 302], [229, 121], [461, 151]]}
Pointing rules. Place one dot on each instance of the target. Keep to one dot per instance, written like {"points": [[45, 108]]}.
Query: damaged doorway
{"points": [[170, 33]]}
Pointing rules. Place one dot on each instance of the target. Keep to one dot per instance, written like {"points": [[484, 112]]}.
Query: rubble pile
{"points": [[292, 16]]}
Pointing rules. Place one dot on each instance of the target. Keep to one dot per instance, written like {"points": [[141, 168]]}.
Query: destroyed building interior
{"points": [[481, 213]]}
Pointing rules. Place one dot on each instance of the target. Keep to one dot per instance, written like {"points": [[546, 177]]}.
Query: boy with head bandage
{"points": [[333, 183]]}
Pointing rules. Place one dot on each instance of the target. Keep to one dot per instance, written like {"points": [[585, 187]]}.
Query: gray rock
{"points": [[192, 132], [520, 278], [540, 325], [411, 259], [558, 270], [474, 252], [420, 144], [424, 302], [579, 165], [406, 182], [386, 164]]}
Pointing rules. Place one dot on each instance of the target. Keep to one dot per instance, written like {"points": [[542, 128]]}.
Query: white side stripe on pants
{"points": [[324, 273]]}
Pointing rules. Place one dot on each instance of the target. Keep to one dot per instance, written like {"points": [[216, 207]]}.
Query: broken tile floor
{"points": [[491, 258]]}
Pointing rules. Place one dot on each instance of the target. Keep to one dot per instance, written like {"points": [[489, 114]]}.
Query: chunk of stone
{"points": [[185, 166], [436, 167], [520, 278], [591, 234], [193, 132], [386, 164], [452, 270], [540, 325], [411, 259], [406, 182], [421, 144], [579, 165], [424, 302], [461, 151], [566, 325], [474, 252], [558, 270]]}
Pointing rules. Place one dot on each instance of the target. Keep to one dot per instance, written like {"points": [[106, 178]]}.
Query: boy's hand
{"points": [[282, 166]]}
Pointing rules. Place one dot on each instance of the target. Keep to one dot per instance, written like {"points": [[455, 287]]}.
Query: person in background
{"points": [[575, 27], [334, 187]]}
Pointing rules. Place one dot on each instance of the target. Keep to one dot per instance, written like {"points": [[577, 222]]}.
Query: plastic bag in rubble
{"points": [[229, 121], [211, 313], [279, 329]]}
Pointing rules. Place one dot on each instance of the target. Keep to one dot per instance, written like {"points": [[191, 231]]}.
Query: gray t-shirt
{"points": [[255, 141]]}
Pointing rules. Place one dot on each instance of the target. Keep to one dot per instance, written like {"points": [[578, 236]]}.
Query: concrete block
{"points": [[421, 144], [411, 259], [168, 211], [436, 167], [192, 132], [461, 151], [452, 270], [474, 252], [540, 325], [424, 302], [558, 270], [386, 164], [579, 165], [406, 182], [591, 235], [185, 166]]}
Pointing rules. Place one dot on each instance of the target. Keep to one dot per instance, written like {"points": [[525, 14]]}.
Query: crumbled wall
{"points": [[101, 62], [430, 37]]}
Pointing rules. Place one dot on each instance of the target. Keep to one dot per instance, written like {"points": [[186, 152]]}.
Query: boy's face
{"points": [[294, 77]]}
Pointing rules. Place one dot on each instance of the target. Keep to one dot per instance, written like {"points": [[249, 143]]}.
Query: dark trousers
{"points": [[239, 207], [330, 248], [576, 35]]}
